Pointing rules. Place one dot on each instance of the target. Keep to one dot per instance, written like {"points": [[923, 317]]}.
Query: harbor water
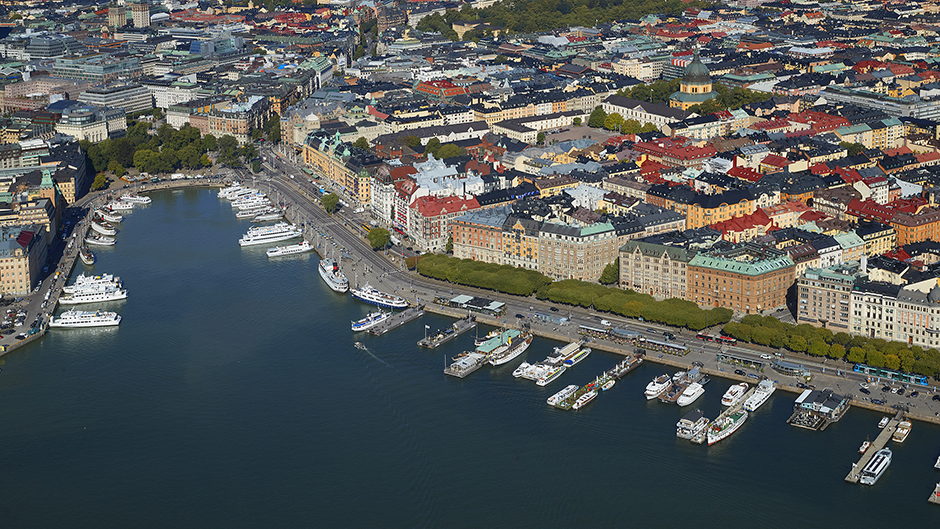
{"points": [[232, 395]]}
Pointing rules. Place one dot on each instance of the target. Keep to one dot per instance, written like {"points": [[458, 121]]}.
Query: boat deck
{"points": [[397, 320], [700, 438], [876, 445], [459, 327]]}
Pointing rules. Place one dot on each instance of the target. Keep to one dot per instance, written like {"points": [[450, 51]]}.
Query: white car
{"points": [[767, 357], [863, 384]]}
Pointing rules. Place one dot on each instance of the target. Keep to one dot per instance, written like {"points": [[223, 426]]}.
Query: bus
{"points": [[705, 337], [726, 340]]}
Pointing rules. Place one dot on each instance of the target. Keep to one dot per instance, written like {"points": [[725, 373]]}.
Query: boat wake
{"points": [[366, 349]]}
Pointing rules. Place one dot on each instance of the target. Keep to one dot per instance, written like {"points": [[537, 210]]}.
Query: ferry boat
{"points": [[103, 227], [584, 400], [268, 214], [136, 199], [489, 336], [99, 240], [691, 424], [657, 386], [609, 384], [253, 239], [93, 296], [763, 392], [86, 255], [726, 426], [691, 394], [577, 357], [370, 295], [509, 351], [249, 213], [883, 422], [901, 432], [120, 205], [371, 320], [109, 216], [562, 395], [280, 226], [876, 467], [329, 272], [225, 192], [80, 318], [252, 205], [83, 282], [734, 394], [550, 376], [291, 249], [466, 364]]}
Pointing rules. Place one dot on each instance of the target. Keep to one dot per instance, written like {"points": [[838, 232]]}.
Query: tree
{"points": [[614, 121], [101, 181], [144, 160], [842, 338], [856, 355], [449, 247], [256, 134], [576, 122], [259, 51], [274, 131], [359, 52], [412, 141], [256, 166], [432, 146], [611, 273], [362, 143], [205, 161], [209, 142], [158, 114], [836, 351], [379, 238], [115, 167], [598, 117], [854, 149], [248, 151], [227, 144], [797, 343], [330, 201], [190, 157], [540, 138], [449, 151]]}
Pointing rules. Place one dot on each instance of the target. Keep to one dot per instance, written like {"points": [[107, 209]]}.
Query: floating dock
{"points": [[397, 320], [595, 385], [700, 438], [445, 335], [466, 364], [876, 445]]}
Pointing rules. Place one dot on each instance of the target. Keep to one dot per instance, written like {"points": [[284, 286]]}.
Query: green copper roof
{"points": [[749, 268]]}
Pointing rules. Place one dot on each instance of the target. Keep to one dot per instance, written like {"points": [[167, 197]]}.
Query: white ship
{"points": [[691, 394], [937, 464], [80, 318], [225, 192], [726, 426], [120, 205], [551, 375], [876, 467], [94, 296], [103, 227], [657, 386], [577, 357], [280, 226], [268, 214], [253, 204], [291, 249], [583, 400], [253, 239], [763, 392], [902, 431], [86, 255], [734, 394], [84, 282], [562, 395], [99, 240], [370, 295], [691, 425], [249, 213], [329, 272], [371, 320], [108, 216], [510, 346], [136, 199], [521, 369]]}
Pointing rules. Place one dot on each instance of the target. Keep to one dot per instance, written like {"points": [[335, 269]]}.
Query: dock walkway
{"points": [[876, 445], [397, 320], [699, 439], [456, 329]]}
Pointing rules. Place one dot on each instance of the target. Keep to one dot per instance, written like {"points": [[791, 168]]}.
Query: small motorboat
{"points": [[883, 422], [862, 449], [360, 346]]}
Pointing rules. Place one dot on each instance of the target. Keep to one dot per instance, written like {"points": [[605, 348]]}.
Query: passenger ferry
{"points": [[726, 426], [901, 432], [120, 205], [691, 424], [511, 344], [562, 395], [657, 386], [103, 227], [550, 376], [225, 192], [734, 394], [109, 216], [577, 357], [80, 318], [98, 295], [330, 274], [876, 467], [370, 295], [100, 240], [584, 400], [250, 213], [291, 249], [268, 214], [278, 235], [763, 392], [371, 320], [87, 256], [83, 282], [691, 394], [136, 199]]}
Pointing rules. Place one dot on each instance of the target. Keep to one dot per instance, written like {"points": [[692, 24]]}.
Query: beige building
{"points": [[824, 297], [22, 254], [569, 252], [747, 279], [654, 269]]}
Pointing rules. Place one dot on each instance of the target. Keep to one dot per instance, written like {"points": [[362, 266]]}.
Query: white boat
{"points": [[583, 400], [562, 395], [902, 431], [99, 240], [329, 272], [253, 239], [577, 357], [508, 347], [734, 394], [691, 394], [80, 318], [370, 295], [104, 228], [876, 467], [883, 422], [371, 320], [136, 199], [550, 375], [120, 205], [536, 371], [862, 449], [249, 213], [937, 464], [609, 384], [280, 226], [466, 364], [93, 296], [763, 392], [726, 426], [109, 216], [268, 214], [225, 192], [86, 255], [657, 386], [521, 369], [253, 204], [84, 282], [291, 249], [691, 424]]}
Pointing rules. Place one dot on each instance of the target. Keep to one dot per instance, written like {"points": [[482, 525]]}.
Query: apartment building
{"points": [[748, 278]]}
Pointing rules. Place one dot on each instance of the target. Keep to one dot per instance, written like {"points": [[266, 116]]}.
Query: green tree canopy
{"points": [[361, 142], [330, 201], [598, 118], [379, 238], [611, 273]]}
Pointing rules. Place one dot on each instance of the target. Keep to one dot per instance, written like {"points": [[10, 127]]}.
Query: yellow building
{"points": [[695, 87]]}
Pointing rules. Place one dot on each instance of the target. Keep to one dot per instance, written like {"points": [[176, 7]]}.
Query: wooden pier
{"points": [[397, 320], [456, 329], [876, 445]]}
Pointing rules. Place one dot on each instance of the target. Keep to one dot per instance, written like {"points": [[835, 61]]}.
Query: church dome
{"points": [[696, 72]]}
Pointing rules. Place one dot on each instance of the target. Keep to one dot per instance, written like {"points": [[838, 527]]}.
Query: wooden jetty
{"points": [[876, 445], [935, 496], [397, 320], [700, 438], [445, 335]]}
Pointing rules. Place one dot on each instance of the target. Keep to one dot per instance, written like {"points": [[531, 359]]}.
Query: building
{"points": [[131, 97], [659, 270], [140, 11], [239, 118], [88, 122], [97, 68], [23, 252], [117, 16], [747, 279], [570, 252], [478, 235], [167, 93], [431, 217], [695, 87], [824, 297], [814, 409]]}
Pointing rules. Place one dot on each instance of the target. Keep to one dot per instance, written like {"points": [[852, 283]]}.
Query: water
{"points": [[232, 395]]}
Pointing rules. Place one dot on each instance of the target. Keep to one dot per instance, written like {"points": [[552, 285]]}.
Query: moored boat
{"points": [[726, 426], [576, 357], [883, 422], [371, 295], [371, 320], [84, 282], [509, 346], [691, 424], [734, 394], [86, 255], [657, 386], [269, 236], [902, 431], [79, 318], [690, 394], [329, 272], [466, 364], [136, 199], [103, 227], [290, 249], [119, 205], [862, 449], [609, 384], [562, 395], [99, 240], [109, 216], [550, 375], [584, 400], [876, 467], [763, 392], [98, 295], [521, 369]]}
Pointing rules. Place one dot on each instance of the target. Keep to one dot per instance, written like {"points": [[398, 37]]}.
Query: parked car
{"points": [[553, 309], [752, 375], [914, 394], [865, 391], [739, 372], [801, 385], [767, 357], [936, 397], [878, 401]]}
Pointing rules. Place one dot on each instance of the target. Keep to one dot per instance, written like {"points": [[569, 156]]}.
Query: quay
{"points": [[445, 335], [700, 438], [397, 320], [876, 445]]}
